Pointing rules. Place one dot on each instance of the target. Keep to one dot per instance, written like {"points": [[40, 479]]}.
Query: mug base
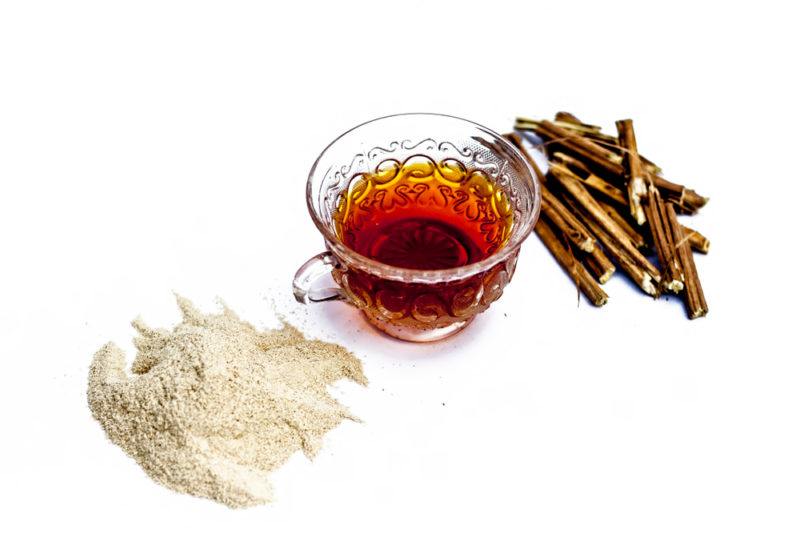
{"points": [[416, 335]]}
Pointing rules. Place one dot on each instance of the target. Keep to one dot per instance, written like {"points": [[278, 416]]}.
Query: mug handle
{"points": [[310, 272]]}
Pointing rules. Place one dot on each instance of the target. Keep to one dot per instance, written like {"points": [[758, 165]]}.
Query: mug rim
{"points": [[403, 274]]}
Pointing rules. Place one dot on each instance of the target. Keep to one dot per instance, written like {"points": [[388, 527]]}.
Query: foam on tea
{"points": [[423, 214]]}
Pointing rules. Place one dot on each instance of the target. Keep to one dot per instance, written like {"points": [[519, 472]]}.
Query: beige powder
{"points": [[215, 404]]}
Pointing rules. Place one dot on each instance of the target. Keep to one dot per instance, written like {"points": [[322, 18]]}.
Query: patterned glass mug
{"points": [[423, 216]]}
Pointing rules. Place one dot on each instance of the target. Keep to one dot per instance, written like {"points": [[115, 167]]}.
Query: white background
{"points": [[147, 147]]}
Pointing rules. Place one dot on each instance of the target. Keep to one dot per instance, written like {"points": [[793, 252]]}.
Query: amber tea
{"points": [[423, 217], [422, 214], [426, 215]]}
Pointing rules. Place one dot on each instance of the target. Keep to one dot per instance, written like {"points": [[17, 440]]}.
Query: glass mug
{"points": [[423, 216]]}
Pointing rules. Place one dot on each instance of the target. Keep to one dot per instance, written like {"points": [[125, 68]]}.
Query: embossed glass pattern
{"points": [[419, 161]]}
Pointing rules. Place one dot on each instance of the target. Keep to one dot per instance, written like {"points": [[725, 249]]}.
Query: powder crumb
{"points": [[213, 406]]}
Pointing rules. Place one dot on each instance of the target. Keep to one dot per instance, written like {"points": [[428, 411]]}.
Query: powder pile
{"points": [[215, 404]]}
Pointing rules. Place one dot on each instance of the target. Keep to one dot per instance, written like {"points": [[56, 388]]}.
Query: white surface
{"points": [[159, 146]]}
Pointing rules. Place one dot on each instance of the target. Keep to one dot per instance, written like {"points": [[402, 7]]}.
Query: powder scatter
{"points": [[213, 406]]}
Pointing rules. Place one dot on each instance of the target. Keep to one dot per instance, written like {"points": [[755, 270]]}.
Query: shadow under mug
{"points": [[414, 304]]}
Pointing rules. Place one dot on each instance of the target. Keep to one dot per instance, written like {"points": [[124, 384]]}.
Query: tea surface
{"points": [[422, 214]]}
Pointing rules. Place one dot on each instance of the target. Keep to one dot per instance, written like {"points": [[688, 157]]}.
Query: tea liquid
{"points": [[422, 214]]}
